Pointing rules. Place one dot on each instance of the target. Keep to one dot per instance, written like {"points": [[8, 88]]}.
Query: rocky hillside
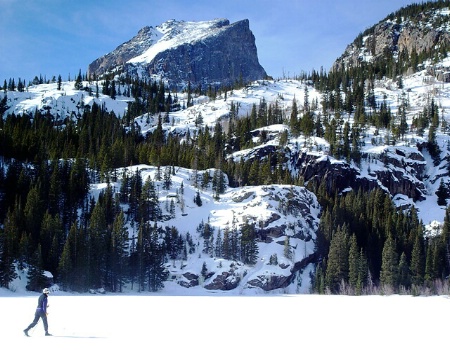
{"points": [[412, 34], [203, 53]]}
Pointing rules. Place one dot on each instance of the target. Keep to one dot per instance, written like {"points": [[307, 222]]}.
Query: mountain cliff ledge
{"points": [[202, 53]]}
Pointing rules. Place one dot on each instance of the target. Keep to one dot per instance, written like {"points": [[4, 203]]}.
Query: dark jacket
{"points": [[42, 303]]}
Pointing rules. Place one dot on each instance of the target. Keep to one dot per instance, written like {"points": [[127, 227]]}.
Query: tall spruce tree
{"points": [[119, 253], [337, 262], [404, 274], [363, 273], [98, 246], [157, 272], [389, 265], [36, 278], [417, 263], [353, 263], [78, 81], [249, 246], [7, 266]]}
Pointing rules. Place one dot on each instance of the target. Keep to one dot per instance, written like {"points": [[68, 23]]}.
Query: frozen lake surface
{"points": [[227, 322]]}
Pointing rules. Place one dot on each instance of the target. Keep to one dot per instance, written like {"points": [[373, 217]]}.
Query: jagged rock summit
{"points": [[203, 53]]}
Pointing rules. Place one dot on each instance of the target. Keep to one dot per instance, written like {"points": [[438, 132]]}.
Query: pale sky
{"points": [[52, 37]]}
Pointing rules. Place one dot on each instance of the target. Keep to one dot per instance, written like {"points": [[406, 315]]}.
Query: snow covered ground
{"points": [[181, 318], [157, 321]]}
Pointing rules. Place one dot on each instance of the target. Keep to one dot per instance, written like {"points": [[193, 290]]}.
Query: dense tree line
{"points": [[364, 241]]}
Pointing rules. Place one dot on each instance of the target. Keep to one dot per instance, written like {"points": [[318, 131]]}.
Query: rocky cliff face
{"points": [[144, 39], [203, 53], [281, 212], [422, 33], [399, 171]]}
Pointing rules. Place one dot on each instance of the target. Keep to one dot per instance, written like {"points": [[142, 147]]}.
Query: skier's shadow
{"points": [[78, 336]]}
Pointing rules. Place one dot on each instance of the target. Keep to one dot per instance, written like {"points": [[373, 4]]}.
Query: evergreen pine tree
{"points": [[404, 274], [141, 255], [198, 199], [293, 121], [249, 246], [204, 271], [287, 248], [78, 81], [218, 246], [33, 213], [167, 180], [430, 270], [337, 266], [98, 246], [112, 91], [417, 263], [353, 263], [119, 252], [442, 194], [59, 82], [65, 266], [363, 273], [36, 278], [319, 280], [7, 267], [226, 243], [389, 266], [157, 272]]}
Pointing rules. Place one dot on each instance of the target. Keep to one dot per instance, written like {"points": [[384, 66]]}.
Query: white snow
{"points": [[62, 102], [175, 33], [180, 318], [157, 321]]}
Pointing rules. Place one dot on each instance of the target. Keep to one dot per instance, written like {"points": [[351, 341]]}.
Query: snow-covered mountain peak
{"points": [[214, 52], [174, 33]]}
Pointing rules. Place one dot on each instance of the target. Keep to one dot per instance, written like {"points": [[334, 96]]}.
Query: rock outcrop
{"points": [[202, 53], [397, 37], [397, 170], [269, 282]]}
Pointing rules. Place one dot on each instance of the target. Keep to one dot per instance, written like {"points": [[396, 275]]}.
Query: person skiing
{"points": [[41, 312]]}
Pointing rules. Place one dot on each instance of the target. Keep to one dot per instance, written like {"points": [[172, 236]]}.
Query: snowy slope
{"points": [[262, 205], [174, 33], [65, 103]]}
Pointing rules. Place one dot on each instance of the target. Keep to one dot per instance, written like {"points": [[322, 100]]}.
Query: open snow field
{"points": [[154, 321]]}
